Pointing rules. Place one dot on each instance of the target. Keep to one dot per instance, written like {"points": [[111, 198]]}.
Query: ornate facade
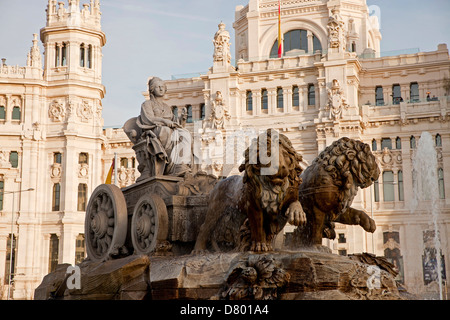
{"points": [[332, 81]]}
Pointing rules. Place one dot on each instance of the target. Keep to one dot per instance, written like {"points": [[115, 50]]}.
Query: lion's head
{"points": [[350, 163], [288, 165]]}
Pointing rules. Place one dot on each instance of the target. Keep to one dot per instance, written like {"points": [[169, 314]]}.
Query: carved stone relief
{"points": [[57, 111]]}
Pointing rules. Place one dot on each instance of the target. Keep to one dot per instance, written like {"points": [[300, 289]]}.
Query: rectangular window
{"points": [[175, 113], [83, 158], [57, 157], [11, 257], [14, 159], [16, 113], [414, 92], [202, 111], [280, 98], [396, 94], [342, 252], [79, 249], [2, 189], [295, 97], [388, 186], [249, 101], [311, 95], [379, 99], [264, 100], [53, 252], [82, 197], [124, 162], [441, 183], [376, 191], [64, 55], [342, 238], [386, 143], [400, 185], [56, 197], [2, 113], [189, 114]]}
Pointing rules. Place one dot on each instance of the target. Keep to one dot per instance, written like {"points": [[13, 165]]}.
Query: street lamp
{"points": [[12, 236]]}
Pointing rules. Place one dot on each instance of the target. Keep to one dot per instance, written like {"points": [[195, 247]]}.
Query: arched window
{"points": [[295, 40], [311, 95], [2, 189], [79, 249], [57, 157], [438, 140], [57, 51], [16, 113], [64, 55], [279, 98], [56, 197], [400, 185], [374, 145], [249, 101], [89, 57], [388, 186], [398, 143], [412, 142], [295, 97], [82, 54], [396, 94], [82, 197], [53, 253], [441, 183], [264, 100], [124, 162], [14, 159]]}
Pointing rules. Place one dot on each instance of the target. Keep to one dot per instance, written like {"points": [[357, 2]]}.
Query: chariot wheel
{"points": [[149, 224], [106, 222]]}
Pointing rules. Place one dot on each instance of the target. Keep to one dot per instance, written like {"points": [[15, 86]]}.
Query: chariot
{"points": [[158, 214]]}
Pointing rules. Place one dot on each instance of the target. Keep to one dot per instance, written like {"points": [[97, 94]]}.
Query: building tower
{"points": [[54, 142]]}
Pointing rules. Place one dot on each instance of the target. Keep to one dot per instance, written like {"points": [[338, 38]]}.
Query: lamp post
{"points": [[12, 237]]}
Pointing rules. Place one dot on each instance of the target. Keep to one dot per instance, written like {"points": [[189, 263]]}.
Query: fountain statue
{"points": [[175, 234]]}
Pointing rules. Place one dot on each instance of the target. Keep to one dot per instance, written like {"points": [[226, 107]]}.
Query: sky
{"points": [[163, 38]]}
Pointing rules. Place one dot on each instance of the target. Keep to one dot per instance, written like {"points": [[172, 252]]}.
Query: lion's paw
{"points": [[297, 216], [259, 247]]}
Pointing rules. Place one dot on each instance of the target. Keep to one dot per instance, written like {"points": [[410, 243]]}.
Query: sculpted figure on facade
{"points": [[336, 101], [222, 44], [167, 143], [336, 30], [219, 112]]}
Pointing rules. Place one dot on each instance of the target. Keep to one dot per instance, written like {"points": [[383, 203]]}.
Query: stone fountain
{"points": [[180, 234]]}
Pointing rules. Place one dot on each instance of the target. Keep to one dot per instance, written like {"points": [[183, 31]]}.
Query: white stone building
{"points": [[332, 81]]}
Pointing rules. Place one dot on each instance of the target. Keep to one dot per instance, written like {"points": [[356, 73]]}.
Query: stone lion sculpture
{"points": [[329, 186], [247, 212]]}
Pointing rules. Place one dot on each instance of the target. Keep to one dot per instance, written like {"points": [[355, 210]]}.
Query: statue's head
{"points": [[156, 87]]}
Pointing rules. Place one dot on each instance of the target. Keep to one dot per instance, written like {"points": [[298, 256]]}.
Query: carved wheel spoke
{"points": [[149, 224], [106, 222]]}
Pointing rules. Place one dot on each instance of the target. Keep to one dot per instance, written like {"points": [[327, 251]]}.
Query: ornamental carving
{"points": [[85, 111], [219, 112], [57, 111], [336, 101], [83, 171], [335, 26], [55, 171], [4, 159], [222, 45]]}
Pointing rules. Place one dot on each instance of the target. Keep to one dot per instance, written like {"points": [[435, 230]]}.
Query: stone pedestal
{"points": [[284, 275]]}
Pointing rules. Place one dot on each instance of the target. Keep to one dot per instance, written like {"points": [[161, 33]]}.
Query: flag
{"points": [[109, 177], [280, 36]]}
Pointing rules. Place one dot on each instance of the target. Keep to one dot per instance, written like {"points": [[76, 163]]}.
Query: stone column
{"points": [[287, 99], [272, 100], [8, 109], [256, 96], [303, 98], [310, 42], [3, 247]]}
